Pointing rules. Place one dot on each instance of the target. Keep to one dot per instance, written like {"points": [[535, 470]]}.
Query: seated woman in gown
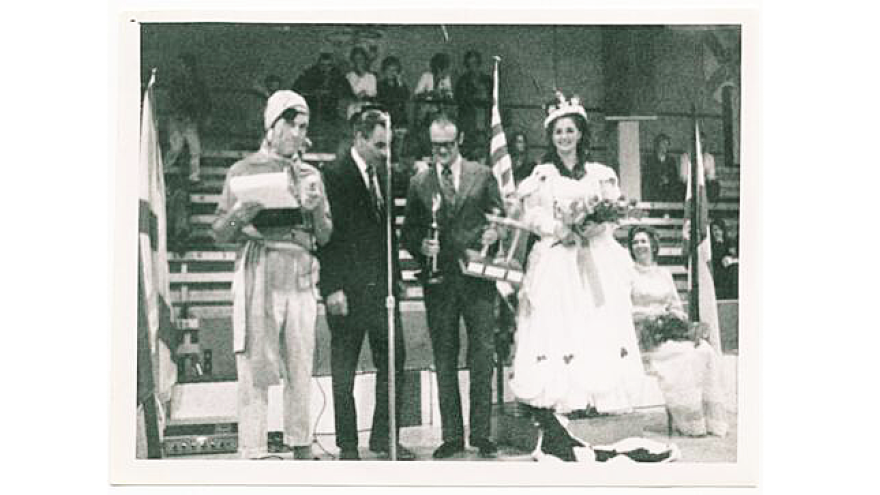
{"points": [[686, 366]]}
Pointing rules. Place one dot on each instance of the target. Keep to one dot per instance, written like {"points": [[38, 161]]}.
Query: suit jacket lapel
{"points": [[354, 174], [467, 181]]}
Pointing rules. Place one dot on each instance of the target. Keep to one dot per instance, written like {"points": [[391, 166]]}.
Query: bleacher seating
{"points": [[201, 276]]}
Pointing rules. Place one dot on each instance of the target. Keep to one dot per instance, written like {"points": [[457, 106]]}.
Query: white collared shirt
{"points": [[362, 166], [456, 172]]}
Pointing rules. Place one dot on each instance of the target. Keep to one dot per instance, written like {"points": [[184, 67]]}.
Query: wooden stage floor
{"points": [[422, 440]]}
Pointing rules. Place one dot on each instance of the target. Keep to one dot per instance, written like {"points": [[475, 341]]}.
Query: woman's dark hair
{"points": [[511, 142], [389, 61], [440, 61], [652, 237], [583, 145], [359, 50]]}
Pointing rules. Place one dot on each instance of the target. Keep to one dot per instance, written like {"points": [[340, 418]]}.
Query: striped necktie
{"points": [[375, 195], [447, 185]]}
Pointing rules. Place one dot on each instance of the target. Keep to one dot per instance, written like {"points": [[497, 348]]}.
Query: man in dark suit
{"points": [[354, 284], [469, 191]]}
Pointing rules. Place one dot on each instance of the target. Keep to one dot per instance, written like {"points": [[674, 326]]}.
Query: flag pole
{"points": [[390, 303], [499, 364], [694, 241]]}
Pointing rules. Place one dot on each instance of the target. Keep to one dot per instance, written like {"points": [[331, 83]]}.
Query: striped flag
{"points": [[499, 159], [702, 305], [153, 255]]}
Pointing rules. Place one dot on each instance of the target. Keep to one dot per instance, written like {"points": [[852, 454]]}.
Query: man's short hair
{"points": [[366, 121], [444, 120]]}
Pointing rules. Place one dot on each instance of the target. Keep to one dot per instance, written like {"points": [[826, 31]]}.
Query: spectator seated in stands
{"points": [[725, 263], [190, 107], [522, 163], [660, 176], [712, 188], [392, 93], [433, 94], [473, 94], [323, 85], [361, 81]]}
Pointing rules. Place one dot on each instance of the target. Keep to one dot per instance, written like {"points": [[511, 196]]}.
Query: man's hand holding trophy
{"points": [[431, 245]]}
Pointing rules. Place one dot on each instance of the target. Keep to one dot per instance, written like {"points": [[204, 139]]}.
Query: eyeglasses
{"points": [[444, 144]]}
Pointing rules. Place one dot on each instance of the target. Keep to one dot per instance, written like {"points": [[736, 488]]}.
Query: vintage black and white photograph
{"points": [[433, 246]]}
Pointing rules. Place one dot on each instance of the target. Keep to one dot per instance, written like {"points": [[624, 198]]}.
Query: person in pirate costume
{"points": [[275, 284]]}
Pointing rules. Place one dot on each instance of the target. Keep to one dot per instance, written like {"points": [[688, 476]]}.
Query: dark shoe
{"points": [[487, 447], [448, 449], [349, 454], [403, 453], [303, 453]]}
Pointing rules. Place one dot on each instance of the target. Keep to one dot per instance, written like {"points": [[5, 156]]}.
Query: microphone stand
{"points": [[390, 303]]}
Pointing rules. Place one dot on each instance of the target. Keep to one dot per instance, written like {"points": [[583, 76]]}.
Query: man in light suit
{"points": [[469, 191], [354, 273]]}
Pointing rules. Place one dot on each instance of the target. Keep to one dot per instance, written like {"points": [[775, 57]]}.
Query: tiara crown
{"points": [[561, 107]]}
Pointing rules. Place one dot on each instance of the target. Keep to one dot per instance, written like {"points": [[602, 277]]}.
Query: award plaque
{"points": [[502, 267]]}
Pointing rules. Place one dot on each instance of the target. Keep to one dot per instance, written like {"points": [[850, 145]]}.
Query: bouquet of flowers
{"points": [[584, 218], [670, 326]]}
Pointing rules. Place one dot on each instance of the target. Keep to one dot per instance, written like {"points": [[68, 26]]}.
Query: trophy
{"points": [[432, 272], [504, 266]]}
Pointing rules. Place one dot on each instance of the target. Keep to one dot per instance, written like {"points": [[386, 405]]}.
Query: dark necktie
{"points": [[375, 195], [447, 185]]}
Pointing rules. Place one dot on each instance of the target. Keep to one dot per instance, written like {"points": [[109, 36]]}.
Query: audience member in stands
{"points": [[660, 176], [324, 86], [190, 107], [274, 293], [433, 94], [393, 93], [354, 282], [467, 192], [725, 263], [522, 163], [473, 94], [576, 345], [361, 80], [686, 366], [712, 187], [653, 290]]}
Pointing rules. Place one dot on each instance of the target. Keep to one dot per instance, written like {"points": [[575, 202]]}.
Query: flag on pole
{"points": [[702, 305], [153, 255], [499, 159]]}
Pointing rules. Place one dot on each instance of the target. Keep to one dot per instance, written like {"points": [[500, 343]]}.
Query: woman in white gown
{"points": [[576, 346]]}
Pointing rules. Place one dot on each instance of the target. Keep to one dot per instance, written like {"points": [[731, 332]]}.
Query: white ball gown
{"points": [[575, 346]]}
